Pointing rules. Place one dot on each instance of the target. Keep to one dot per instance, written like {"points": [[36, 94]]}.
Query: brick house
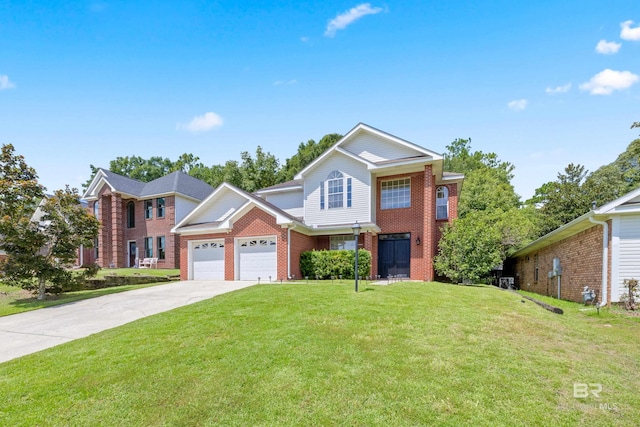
{"points": [[396, 190], [137, 217], [599, 250]]}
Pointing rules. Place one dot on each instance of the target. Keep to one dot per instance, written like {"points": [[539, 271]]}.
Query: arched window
{"points": [[442, 203], [334, 187], [96, 209], [131, 215]]}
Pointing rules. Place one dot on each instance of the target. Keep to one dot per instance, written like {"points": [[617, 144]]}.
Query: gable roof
{"points": [[174, 183], [422, 154], [251, 200], [629, 203]]}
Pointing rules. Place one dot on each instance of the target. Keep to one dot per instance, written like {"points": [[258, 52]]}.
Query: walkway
{"points": [[26, 333]]}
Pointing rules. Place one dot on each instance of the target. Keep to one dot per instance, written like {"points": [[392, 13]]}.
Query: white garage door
{"points": [[207, 259], [257, 257]]}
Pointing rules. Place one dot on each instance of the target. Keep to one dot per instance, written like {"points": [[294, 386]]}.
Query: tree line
{"points": [[251, 173], [41, 233]]}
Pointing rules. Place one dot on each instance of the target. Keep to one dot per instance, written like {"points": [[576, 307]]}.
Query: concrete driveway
{"points": [[26, 333]]}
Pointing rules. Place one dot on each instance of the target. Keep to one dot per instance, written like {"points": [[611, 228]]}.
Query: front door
{"points": [[394, 255], [132, 254]]}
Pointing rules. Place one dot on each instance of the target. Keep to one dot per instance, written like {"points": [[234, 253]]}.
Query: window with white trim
{"points": [[335, 190], [395, 194], [342, 242], [442, 202]]}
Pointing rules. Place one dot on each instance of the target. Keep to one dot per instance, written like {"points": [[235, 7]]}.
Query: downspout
{"points": [[289, 250], [605, 259]]}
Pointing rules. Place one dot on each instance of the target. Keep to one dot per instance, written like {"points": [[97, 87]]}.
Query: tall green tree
{"points": [[40, 239], [617, 178], [258, 172], [562, 200], [490, 225]]}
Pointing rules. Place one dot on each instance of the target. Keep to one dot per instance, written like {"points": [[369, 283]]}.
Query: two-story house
{"points": [[137, 217], [395, 190]]}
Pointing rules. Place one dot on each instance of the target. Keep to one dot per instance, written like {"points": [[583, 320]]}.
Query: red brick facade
{"points": [[115, 234], [418, 220], [581, 261]]}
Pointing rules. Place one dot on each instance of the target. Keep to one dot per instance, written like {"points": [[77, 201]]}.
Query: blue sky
{"points": [[542, 84]]}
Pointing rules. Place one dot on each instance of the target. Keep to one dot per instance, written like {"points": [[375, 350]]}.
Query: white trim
{"points": [[617, 202], [387, 136], [615, 258]]}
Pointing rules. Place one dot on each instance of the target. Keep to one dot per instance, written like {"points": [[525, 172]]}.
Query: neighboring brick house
{"points": [[137, 217], [581, 250], [396, 190]]}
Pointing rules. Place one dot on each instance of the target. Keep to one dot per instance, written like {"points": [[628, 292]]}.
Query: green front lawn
{"points": [[320, 354], [15, 300]]}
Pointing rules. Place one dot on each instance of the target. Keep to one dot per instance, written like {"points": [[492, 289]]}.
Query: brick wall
{"points": [[581, 261], [299, 244], [405, 220]]}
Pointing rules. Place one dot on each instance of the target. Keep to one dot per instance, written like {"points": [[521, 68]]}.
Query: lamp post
{"points": [[356, 233]]}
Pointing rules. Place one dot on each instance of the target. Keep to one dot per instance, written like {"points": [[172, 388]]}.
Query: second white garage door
{"points": [[208, 260], [257, 257]]}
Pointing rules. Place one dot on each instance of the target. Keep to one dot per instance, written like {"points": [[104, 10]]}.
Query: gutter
{"points": [[605, 259]]}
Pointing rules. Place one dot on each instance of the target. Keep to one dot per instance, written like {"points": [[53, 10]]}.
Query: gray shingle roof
{"points": [[176, 182]]}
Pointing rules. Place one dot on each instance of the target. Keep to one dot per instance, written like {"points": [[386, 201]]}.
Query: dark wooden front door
{"points": [[394, 255]]}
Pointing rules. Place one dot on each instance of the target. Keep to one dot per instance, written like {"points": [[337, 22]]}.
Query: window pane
{"points": [[395, 194], [442, 203], [161, 253], [160, 208], [342, 242], [148, 209]]}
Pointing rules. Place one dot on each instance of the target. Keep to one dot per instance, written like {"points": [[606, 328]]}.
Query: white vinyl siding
{"points": [[629, 253], [183, 207], [225, 206], [360, 188], [376, 149], [291, 202]]}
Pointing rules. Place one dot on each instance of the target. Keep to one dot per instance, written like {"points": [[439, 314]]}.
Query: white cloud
{"points": [[518, 104], [304, 39], [607, 48], [202, 123], [628, 33], [284, 83], [345, 19], [558, 89], [5, 83], [606, 81]]}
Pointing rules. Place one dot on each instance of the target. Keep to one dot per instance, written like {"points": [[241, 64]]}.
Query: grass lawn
{"points": [[16, 300], [320, 354]]}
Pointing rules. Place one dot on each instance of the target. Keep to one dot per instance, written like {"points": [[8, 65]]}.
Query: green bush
{"points": [[328, 264]]}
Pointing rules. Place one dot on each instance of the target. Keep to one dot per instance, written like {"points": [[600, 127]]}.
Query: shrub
{"points": [[328, 264]]}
